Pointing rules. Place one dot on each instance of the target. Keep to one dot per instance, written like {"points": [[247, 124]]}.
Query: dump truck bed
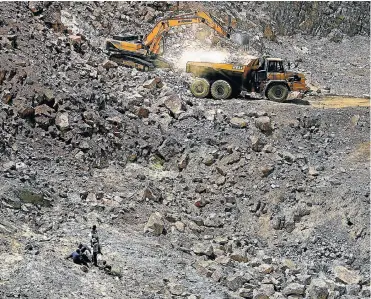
{"points": [[214, 71]]}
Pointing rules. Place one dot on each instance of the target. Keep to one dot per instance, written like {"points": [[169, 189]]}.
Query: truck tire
{"points": [[277, 92], [221, 90], [200, 88]]}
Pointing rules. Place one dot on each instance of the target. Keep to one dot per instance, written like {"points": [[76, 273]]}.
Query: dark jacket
{"points": [[75, 256]]}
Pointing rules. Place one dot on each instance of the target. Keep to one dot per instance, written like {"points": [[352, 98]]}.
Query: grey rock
{"points": [[346, 276], [9, 166], [318, 289], [263, 123], [108, 64], [61, 121], [203, 249], [175, 105], [237, 122], [235, 282], [294, 289], [257, 143], [155, 224]]}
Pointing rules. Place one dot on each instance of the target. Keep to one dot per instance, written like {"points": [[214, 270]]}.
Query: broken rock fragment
{"points": [[155, 224], [294, 289], [108, 64], [183, 162], [61, 121], [237, 122], [257, 144], [152, 193], [153, 83], [263, 123], [346, 276], [44, 115], [203, 249], [175, 105], [142, 112]]}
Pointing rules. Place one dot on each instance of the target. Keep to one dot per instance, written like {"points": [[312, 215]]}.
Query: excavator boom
{"points": [[153, 39]]}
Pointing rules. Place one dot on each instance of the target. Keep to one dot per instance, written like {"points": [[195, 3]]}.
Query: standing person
{"points": [[96, 250], [93, 235]]}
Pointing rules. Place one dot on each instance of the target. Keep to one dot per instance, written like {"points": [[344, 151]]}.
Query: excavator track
{"points": [[132, 62], [143, 64]]}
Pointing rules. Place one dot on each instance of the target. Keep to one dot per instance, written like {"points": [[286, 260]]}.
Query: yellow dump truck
{"points": [[265, 75]]}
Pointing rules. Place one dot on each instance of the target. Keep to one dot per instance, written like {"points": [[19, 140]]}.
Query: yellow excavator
{"points": [[143, 53]]}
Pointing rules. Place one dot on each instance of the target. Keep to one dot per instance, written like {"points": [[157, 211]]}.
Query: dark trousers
{"points": [[80, 262], [95, 258]]}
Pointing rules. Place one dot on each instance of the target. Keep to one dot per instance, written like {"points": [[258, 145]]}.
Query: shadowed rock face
{"points": [[313, 18], [320, 18], [192, 198]]}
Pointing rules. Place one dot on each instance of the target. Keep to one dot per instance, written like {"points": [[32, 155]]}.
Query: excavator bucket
{"points": [[241, 38]]}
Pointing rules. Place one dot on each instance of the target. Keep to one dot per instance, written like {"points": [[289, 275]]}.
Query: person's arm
{"points": [[68, 256]]}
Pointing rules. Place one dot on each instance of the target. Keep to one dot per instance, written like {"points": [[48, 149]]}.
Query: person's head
{"points": [[80, 246], [94, 227], [104, 263], [83, 250], [78, 251]]}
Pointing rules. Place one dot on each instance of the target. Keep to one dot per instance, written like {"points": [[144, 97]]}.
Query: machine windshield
{"points": [[275, 67]]}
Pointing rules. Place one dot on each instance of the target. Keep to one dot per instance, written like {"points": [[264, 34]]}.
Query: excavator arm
{"points": [[153, 39]]}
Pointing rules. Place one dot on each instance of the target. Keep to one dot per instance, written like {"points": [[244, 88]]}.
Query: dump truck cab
{"points": [[264, 75]]}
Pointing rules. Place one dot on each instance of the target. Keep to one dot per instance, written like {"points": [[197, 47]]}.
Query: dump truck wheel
{"points": [[221, 90], [200, 88], [277, 92]]}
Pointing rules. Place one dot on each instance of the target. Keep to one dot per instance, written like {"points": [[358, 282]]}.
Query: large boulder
{"points": [[231, 158], [237, 122], [317, 289], [346, 276], [235, 282], [108, 64], [263, 123], [169, 148], [33, 197], [153, 83], [203, 249], [44, 115], [155, 224], [257, 143], [175, 105], [239, 256], [152, 193], [294, 289]]}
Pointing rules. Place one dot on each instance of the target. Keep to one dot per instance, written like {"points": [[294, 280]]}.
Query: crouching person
{"points": [[77, 258]]}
